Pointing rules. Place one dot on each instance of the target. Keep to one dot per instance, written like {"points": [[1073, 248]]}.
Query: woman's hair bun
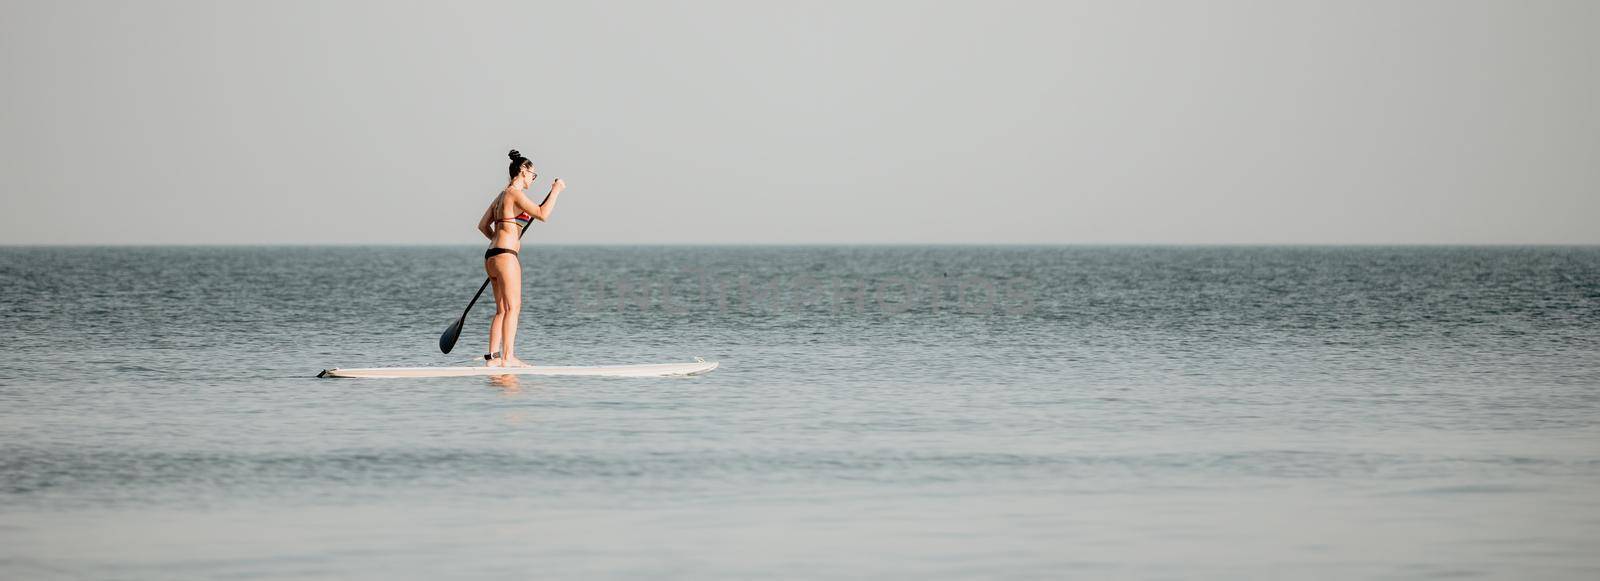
{"points": [[515, 155]]}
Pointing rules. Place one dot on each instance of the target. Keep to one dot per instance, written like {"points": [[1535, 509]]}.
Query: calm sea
{"points": [[906, 412]]}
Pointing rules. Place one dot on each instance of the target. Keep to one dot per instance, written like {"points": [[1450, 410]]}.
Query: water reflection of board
{"points": [[697, 367]]}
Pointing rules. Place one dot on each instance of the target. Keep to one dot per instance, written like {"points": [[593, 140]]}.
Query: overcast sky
{"points": [[838, 122]]}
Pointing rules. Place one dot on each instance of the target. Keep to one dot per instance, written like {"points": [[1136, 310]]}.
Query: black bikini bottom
{"points": [[493, 252]]}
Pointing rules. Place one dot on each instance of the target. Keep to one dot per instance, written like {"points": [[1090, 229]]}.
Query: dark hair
{"points": [[517, 163]]}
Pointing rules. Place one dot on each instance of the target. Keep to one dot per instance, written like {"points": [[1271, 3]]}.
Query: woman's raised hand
{"points": [[558, 185]]}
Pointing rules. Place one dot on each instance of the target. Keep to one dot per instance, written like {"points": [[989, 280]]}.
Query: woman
{"points": [[499, 224]]}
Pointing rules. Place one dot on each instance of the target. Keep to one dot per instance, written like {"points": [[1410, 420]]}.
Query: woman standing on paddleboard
{"points": [[501, 225]]}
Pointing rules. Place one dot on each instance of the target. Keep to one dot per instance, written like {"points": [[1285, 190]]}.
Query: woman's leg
{"points": [[496, 325], [495, 330], [511, 281]]}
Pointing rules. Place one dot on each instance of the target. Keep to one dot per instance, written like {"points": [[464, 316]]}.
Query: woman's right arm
{"points": [[541, 212], [483, 223]]}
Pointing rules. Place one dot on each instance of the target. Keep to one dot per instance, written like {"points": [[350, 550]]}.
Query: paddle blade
{"points": [[447, 341]]}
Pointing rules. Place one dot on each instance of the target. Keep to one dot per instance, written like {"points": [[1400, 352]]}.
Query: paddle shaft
{"points": [[474, 300]]}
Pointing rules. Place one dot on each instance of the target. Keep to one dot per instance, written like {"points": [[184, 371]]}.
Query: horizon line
{"points": [[793, 244]]}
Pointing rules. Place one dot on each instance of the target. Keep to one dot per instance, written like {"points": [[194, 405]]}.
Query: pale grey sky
{"points": [[1266, 121]]}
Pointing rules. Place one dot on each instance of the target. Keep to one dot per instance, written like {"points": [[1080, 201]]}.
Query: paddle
{"points": [[447, 341]]}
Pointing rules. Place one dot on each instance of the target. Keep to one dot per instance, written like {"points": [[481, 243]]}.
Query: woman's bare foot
{"points": [[514, 362], [496, 362]]}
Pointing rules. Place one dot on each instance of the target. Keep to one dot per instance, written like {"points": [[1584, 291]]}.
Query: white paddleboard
{"points": [[697, 367]]}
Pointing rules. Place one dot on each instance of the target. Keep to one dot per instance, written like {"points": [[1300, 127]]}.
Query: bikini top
{"points": [[521, 220]]}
